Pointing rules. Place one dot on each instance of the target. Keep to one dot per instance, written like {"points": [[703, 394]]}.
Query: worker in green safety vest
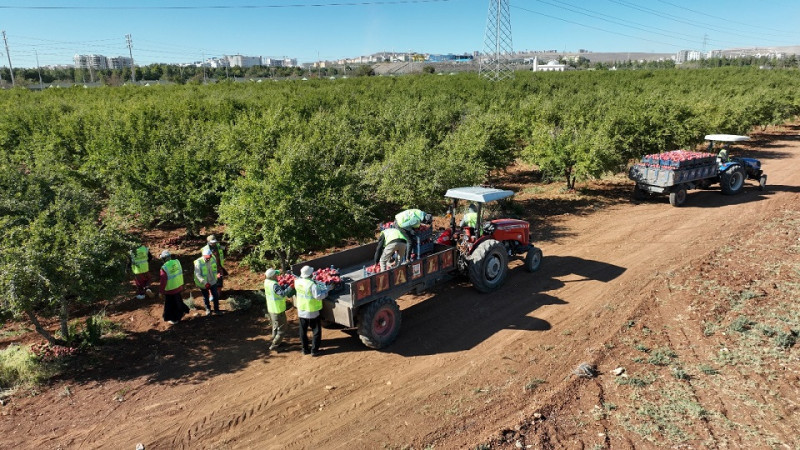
{"points": [[412, 218], [309, 297], [140, 266], [276, 306], [205, 277], [171, 287], [392, 240], [218, 251], [470, 219]]}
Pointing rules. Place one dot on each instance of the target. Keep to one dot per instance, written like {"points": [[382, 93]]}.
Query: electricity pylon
{"points": [[495, 62]]}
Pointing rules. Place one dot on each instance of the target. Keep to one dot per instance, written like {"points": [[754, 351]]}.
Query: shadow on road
{"points": [[457, 318]]}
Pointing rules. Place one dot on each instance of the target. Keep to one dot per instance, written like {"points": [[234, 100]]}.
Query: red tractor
{"points": [[485, 247]]}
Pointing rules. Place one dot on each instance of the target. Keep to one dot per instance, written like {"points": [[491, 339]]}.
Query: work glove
{"points": [[208, 285]]}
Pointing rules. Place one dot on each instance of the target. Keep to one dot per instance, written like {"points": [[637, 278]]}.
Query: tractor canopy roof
{"points": [[478, 194], [726, 138]]}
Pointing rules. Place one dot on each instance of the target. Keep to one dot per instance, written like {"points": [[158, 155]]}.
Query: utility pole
{"points": [[9, 58], [130, 52], [39, 69], [203, 65]]}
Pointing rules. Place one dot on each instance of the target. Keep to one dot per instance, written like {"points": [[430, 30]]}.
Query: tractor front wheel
{"points": [[379, 323], [533, 260], [488, 266], [732, 180], [762, 183]]}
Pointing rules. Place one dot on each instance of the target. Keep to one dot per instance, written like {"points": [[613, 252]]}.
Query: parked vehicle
{"points": [[674, 173], [367, 301]]}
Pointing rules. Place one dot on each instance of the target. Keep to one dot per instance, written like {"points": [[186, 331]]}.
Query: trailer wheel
{"points": [[638, 194], [678, 196], [379, 323], [533, 260], [488, 266], [762, 183], [732, 180]]}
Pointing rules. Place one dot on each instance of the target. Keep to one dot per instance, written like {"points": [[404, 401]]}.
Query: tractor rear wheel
{"points": [[678, 196], [488, 266], [732, 180], [762, 183], [533, 260], [379, 323]]}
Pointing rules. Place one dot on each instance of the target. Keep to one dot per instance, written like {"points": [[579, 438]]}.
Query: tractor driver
{"points": [[470, 218]]}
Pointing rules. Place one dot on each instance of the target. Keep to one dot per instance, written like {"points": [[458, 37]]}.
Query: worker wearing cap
{"points": [[171, 286], [205, 277], [309, 304], [470, 219], [276, 306], [140, 266], [219, 255], [390, 241], [412, 218]]}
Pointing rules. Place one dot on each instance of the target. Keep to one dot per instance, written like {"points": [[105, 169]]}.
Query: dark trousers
{"points": [[174, 308], [316, 333], [214, 297]]}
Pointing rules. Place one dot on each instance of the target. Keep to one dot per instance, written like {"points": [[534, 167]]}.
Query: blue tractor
{"points": [[735, 170]]}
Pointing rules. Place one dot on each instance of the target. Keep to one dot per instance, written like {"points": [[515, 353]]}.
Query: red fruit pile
{"points": [[327, 275], [48, 353], [676, 158], [387, 225], [286, 279], [375, 268]]}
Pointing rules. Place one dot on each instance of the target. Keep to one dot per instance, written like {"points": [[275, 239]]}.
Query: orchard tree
{"points": [[55, 250], [302, 200], [570, 152]]}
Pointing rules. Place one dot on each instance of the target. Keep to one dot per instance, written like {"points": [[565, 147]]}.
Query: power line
{"points": [[195, 7], [750, 25], [595, 28], [661, 14]]}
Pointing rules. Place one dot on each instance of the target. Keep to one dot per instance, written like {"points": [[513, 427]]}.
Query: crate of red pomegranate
{"points": [[672, 168]]}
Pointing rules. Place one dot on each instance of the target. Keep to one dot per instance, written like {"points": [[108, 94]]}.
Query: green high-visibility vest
{"points": [[201, 263], [471, 219], [409, 218], [174, 273], [305, 298], [219, 250], [390, 234], [139, 263], [276, 304]]}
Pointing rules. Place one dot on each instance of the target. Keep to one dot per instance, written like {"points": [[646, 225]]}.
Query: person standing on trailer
{"points": [[390, 241]]}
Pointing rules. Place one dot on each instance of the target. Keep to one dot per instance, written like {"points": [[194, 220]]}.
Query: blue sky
{"points": [[56, 30]]}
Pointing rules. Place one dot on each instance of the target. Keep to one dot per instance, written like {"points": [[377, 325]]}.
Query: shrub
{"points": [[19, 366]]}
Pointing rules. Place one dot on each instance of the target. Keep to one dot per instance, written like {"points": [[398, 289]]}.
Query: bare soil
{"points": [[698, 304]]}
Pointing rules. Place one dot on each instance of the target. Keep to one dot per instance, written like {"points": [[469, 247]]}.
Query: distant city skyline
{"points": [[183, 31]]}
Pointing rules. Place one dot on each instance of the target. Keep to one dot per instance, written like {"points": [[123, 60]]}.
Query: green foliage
{"points": [[54, 251], [292, 166], [19, 366]]}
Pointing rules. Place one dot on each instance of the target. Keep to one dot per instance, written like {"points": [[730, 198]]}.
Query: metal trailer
{"points": [[368, 301], [675, 181]]}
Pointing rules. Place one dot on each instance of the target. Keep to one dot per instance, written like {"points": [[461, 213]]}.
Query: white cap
{"points": [[207, 251], [271, 273], [211, 239], [306, 272], [165, 254]]}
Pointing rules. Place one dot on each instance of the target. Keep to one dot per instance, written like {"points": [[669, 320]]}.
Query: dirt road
{"points": [[465, 367]]}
